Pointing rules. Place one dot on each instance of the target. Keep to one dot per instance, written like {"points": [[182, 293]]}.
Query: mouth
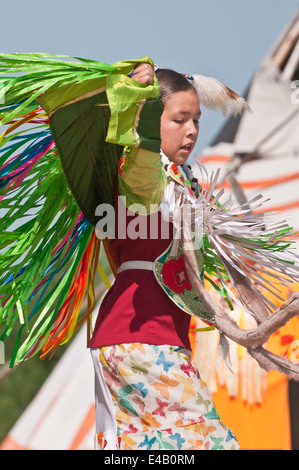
{"points": [[187, 148]]}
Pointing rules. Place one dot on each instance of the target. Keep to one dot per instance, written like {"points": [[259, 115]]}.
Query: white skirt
{"points": [[152, 398]]}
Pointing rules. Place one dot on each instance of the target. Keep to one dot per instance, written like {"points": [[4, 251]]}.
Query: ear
{"points": [[214, 95]]}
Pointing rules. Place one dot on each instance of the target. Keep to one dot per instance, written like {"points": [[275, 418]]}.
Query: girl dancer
{"points": [[149, 395]]}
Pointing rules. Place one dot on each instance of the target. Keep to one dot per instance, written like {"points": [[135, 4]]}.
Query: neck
{"points": [[187, 170]]}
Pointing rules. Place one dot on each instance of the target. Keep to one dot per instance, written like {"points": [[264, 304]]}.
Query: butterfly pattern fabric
{"points": [[160, 401]]}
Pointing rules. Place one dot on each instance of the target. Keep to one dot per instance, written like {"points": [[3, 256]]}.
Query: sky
{"points": [[222, 38]]}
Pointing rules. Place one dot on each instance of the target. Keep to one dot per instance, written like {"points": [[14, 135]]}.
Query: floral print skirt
{"points": [[152, 398]]}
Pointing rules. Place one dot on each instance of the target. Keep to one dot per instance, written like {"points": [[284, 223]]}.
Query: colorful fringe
{"points": [[258, 244], [48, 249]]}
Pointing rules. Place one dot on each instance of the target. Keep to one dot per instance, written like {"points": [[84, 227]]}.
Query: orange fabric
{"points": [[258, 427], [264, 426], [250, 184], [264, 183], [84, 429], [10, 444], [215, 158]]}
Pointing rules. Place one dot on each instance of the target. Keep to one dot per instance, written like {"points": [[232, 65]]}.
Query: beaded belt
{"points": [[147, 265]]}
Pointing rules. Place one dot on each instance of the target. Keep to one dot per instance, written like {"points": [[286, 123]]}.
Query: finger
{"points": [[143, 73], [144, 78], [143, 67]]}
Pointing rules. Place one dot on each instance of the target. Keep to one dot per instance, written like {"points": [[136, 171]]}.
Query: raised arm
{"points": [[141, 176]]}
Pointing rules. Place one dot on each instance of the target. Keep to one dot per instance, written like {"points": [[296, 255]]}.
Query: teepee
{"points": [[258, 153], [61, 416]]}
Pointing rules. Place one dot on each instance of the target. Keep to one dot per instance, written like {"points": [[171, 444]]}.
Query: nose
{"points": [[192, 129]]}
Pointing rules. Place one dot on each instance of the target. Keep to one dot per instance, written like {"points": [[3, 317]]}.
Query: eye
{"points": [[179, 121]]}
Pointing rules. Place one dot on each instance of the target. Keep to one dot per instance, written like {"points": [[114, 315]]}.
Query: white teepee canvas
{"points": [[61, 416]]}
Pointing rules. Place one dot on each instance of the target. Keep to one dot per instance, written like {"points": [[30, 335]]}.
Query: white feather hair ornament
{"points": [[214, 95]]}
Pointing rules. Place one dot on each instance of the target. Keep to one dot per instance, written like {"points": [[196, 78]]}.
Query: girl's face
{"points": [[179, 126]]}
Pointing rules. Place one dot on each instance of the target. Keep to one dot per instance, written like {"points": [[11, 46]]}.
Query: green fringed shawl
{"points": [[59, 154]]}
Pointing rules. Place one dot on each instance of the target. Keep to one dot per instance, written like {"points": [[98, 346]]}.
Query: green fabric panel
{"points": [[90, 164], [91, 131], [126, 66], [148, 128], [143, 178], [127, 98], [53, 99]]}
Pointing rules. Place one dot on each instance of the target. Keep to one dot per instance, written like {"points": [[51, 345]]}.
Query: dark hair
{"points": [[172, 82]]}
